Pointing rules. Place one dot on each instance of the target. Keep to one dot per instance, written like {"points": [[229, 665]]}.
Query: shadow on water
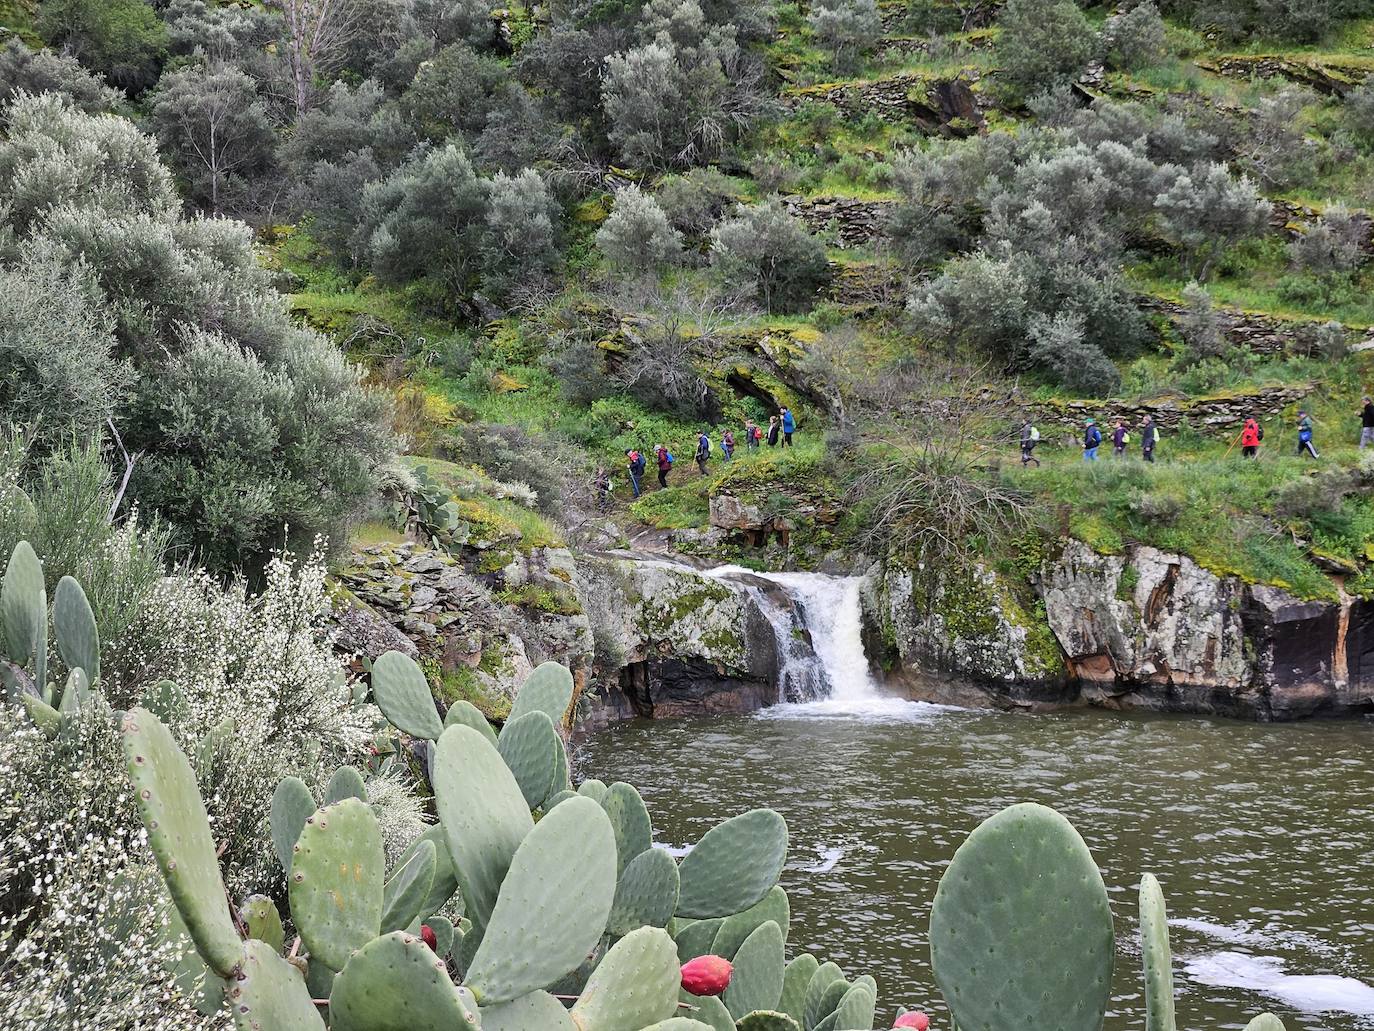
{"points": [[1262, 835]]}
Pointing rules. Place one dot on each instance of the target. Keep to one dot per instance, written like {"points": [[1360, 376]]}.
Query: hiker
{"points": [[1030, 436], [603, 488], [751, 434], [703, 451], [1305, 435], [635, 463], [727, 444], [1120, 438], [773, 431], [1367, 422], [789, 425], [1092, 439], [1250, 437], [1149, 437], [664, 458]]}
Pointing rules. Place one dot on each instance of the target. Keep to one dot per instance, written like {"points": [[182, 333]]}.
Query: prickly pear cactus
{"points": [[464, 714], [1265, 1022], [263, 921], [549, 689], [78, 640], [1156, 957], [345, 783], [823, 994], [445, 883], [403, 695], [396, 983], [336, 881], [709, 1010], [530, 747], [695, 937], [855, 1010], [733, 865], [1020, 932], [292, 805], [552, 907], [483, 814], [535, 1010], [768, 1020], [796, 978], [734, 929], [646, 895], [179, 835], [634, 831], [634, 986], [270, 993], [405, 892], [24, 612], [757, 981]]}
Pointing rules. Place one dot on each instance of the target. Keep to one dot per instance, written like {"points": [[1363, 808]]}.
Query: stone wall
{"points": [[855, 222], [1332, 78], [1219, 411], [947, 107], [1258, 331]]}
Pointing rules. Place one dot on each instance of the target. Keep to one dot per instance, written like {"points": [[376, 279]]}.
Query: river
{"points": [[1261, 835]]}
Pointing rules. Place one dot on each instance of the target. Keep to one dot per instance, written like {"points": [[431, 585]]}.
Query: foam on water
{"points": [[1312, 993]]}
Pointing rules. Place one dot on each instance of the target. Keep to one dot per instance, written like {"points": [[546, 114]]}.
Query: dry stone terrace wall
{"points": [[855, 222], [1170, 413], [1261, 332], [948, 107], [1333, 78]]}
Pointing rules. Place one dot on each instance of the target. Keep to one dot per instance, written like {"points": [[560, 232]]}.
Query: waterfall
{"points": [[820, 636]]}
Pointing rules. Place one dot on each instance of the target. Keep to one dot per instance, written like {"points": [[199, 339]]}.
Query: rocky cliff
{"points": [[1143, 629]]}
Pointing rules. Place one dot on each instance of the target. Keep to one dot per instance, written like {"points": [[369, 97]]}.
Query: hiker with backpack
{"points": [[1092, 440], [635, 463], [1367, 422], [752, 434], [773, 431], [727, 444], [1250, 437], [1149, 437], [1030, 436], [703, 451], [1120, 438], [665, 464], [1305, 435], [789, 425]]}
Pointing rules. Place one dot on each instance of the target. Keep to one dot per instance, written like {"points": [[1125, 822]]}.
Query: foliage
{"points": [[1135, 38], [1043, 43], [124, 40], [637, 237], [41, 71], [845, 27], [765, 248]]}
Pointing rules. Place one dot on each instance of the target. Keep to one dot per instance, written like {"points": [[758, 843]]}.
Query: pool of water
{"points": [[1261, 835]]}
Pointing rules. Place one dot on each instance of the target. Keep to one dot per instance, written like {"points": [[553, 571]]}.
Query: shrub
{"points": [[845, 27], [1043, 43], [521, 231], [452, 93], [637, 237], [124, 40], [696, 200], [1136, 38], [1200, 325], [1335, 242], [41, 71], [1359, 111], [764, 247], [1206, 212]]}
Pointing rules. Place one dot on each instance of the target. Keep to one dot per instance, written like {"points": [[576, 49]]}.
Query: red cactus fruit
{"points": [[427, 936], [914, 1019], [706, 975]]}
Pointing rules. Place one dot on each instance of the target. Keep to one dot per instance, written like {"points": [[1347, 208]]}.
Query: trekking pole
{"points": [[1233, 444]]}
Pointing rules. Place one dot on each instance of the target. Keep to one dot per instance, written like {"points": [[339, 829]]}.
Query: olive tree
{"points": [[1043, 43], [41, 71], [845, 27], [765, 248], [637, 236]]}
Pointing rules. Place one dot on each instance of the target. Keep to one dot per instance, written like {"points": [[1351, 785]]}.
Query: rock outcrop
{"points": [[943, 106], [1260, 332]]}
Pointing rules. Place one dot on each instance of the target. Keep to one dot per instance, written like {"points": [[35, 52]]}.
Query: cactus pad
{"points": [[443, 934], [768, 1020], [1156, 957], [796, 978], [733, 865], [537, 1011], [346, 783], [549, 689], [527, 745], [679, 1024], [855, 1011], [646, 894], [757, 980], [709, 1010], [553, 905], [179, 835], [405, 892], [396, 983], [635, 985], [1020, 932], [445, 883], [292, 805], [734, 929], [1265, 1022], [463, 713], [44, 716], [264, 922], [402, 693], [24, 611], [822, 994], [695, 937], [553, 800], [634, 832], [269, 994], [594, 789], [336, 881], [482, 812], [78, 640]]}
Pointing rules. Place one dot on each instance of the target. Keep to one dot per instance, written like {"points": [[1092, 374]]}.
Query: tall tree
{"points": [[318, 33]]}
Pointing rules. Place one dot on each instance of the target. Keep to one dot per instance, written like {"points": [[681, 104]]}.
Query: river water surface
{"points": [[1261, 835]]}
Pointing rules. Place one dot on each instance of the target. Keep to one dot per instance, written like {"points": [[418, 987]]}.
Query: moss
{"points": [[464, 684], [1127, 583], [967, 605], [541, 599]]}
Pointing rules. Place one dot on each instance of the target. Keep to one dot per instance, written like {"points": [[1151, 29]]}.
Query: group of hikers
{"points": [[1249, 438], [779, 433]]}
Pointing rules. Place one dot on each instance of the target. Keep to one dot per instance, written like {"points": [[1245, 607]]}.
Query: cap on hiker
{"points": [[1089, 422]]}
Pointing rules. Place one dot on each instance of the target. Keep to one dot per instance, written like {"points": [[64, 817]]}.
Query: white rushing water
{"points": [[832, 612]]}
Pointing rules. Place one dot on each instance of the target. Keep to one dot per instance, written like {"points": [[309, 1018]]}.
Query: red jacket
{"points": [[1249, 437]]}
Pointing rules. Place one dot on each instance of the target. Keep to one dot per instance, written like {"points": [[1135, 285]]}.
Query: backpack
{"points": [[1259, 432], [1034, 434], [669, 456], [758, 433], [1094, 436], [1125, 439], [639, 464]]}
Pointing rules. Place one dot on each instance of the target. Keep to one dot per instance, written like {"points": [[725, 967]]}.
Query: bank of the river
{"points": [[1260, 834]]}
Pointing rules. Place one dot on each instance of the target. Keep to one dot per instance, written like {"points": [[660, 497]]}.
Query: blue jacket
{"points": [[789, 425]]}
